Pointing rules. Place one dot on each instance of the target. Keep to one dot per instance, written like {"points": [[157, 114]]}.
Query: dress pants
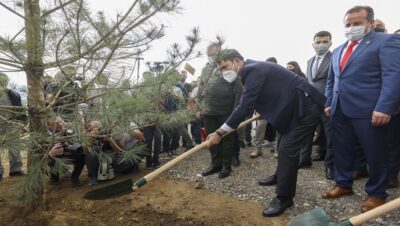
{"points": [[347, 133], [289, 151], [152, 134], [393, 146], [221, 154], [260, 132], [305, 155]]}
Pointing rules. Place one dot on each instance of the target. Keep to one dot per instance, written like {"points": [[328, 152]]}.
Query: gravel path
{"points": [[311, 182]]}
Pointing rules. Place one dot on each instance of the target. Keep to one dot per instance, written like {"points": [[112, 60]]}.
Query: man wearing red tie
{"points": [[363, 91]]}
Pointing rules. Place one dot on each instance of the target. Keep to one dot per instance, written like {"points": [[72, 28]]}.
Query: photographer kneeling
{"points": [[65, 150], [105, 157]]}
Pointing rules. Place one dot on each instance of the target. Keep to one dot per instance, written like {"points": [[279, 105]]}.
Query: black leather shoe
{"points": [[269, 181], [329, 174], [225, 172], [277, 207], [235, 161], [75, 182], [304, 165], [211, 170]]}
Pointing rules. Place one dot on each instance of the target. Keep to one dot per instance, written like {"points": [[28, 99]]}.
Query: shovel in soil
{"points": [[318, 217], [127, 186]]}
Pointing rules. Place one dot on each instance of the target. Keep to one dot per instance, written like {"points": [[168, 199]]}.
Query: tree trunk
{"points": [[36, 102]]}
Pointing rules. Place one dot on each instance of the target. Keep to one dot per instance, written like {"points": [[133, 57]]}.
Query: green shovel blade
{"points": [[315, 217], [120, 188]]}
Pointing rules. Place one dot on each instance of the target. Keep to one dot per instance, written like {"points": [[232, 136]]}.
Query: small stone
{"points": [[135, 219], [120, 219]]}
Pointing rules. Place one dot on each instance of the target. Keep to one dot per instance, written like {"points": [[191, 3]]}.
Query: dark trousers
{"points": [[289, 151], [248, 128], [221, 154], [393, 146], [236, 144], [195, 130], [152, 134], [78, 160], [120, 166], [170, 140], [325, 144], [346, 133]]}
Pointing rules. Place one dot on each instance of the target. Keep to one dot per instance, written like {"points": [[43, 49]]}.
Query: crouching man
{"points": [[105, 157], [66, 150]]}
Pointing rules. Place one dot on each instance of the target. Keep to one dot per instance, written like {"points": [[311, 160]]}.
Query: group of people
{"points": [[353, 93]]}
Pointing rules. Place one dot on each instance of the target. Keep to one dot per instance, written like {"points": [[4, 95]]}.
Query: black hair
{"points": [[368, 9], [297, 68], [229, 54], [272, 60], [323, 34]]}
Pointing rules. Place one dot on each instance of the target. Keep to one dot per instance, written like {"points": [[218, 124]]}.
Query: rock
{"points": [[135, 219], [199, 185]]}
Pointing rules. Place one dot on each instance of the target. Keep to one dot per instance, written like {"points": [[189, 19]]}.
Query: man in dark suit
{"points": [[363, 92], [317, 73], [285, 100]]}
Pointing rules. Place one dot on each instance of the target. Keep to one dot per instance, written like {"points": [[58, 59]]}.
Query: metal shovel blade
{"points": [[120, 188], [315, 217]]}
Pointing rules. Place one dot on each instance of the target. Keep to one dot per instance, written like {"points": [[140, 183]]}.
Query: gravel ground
{"points": [[311, 183]]}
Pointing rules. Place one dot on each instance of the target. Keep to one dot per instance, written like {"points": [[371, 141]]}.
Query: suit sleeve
{"points": [[389, 56], [329, 86], [252, 89]]}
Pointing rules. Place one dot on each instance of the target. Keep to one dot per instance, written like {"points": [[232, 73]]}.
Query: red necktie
{"points": [[347, 54]]}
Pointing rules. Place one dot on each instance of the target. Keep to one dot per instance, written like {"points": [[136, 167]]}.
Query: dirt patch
{"points": [[161, 202]]}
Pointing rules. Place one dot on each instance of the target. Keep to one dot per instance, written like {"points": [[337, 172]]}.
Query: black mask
{"points": [[379, 29]]}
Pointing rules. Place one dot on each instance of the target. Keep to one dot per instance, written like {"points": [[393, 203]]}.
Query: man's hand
{"points": [[380, 119], [56, 150], [137, 134], [215, 138], [328, 111]]}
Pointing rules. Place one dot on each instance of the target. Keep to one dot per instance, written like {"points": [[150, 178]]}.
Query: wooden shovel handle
{"points": [[378, 211], [149, 177]]}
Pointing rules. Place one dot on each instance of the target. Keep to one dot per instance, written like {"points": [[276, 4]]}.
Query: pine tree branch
{"points": [[14, 12], [48, 12]]}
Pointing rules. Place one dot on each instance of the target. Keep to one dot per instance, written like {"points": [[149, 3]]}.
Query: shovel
{"points": [[318, 217], [127, 186]]}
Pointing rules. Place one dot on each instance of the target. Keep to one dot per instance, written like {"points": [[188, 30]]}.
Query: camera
{"points": [[74, 148]]}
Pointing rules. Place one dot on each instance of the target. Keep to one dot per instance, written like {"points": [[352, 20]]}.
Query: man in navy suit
{"points": [[363, 92], [285, 100]]}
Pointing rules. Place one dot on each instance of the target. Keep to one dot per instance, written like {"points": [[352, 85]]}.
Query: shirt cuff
{"points": [[226, 128]]}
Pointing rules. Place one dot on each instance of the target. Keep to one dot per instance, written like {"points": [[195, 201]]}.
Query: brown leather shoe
{"points": [[337, 192], [371, 203]]}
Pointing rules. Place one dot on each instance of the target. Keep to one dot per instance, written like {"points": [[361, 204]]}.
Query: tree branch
{"points": [[13, 11]]}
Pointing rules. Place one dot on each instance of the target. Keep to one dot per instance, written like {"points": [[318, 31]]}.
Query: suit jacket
{"points": [[319, 81], [276, 93], [370, 80]]}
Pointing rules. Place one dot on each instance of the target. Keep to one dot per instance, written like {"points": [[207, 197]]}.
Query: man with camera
{"points": [[105, 156], [64, 150]]}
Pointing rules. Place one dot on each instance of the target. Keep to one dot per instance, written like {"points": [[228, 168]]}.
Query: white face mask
{"points": [[355, 33], [229, 75]]}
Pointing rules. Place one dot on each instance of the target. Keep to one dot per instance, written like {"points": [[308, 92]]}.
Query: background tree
{"points": [[64, 34]]}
